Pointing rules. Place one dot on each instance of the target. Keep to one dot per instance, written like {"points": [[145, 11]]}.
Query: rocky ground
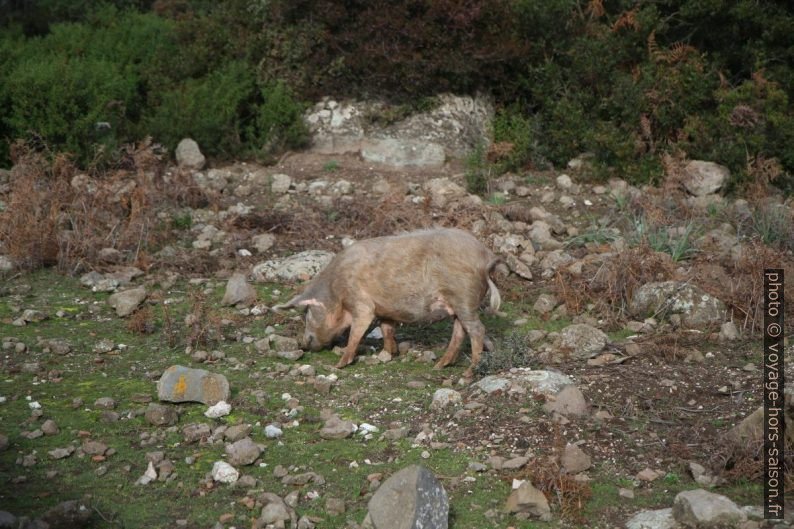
{"points": [[625, 360]]}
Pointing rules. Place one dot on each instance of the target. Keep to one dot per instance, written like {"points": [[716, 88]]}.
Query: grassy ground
{"points": [[376, 394]]}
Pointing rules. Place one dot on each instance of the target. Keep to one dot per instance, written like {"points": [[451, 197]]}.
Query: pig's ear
{"points": [[298, 301]]}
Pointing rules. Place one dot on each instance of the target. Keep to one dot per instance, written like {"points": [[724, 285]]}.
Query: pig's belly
{"points": [[435, 310]]}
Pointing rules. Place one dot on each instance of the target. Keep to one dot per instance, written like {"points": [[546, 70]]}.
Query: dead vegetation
{"points": [[547, 475], [57, 215], [609, 284]]}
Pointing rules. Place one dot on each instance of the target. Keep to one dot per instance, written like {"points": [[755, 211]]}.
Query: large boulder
{"points": [[410, 499], [127, 301], [189, 155], [702, 509], [696, 308], [303, 265], [184, 384], [455, 126], [704, 178]]}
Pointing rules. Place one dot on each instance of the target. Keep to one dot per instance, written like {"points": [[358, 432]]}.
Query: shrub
{"points": [[62, 100], [279, 119], [208, 109]]}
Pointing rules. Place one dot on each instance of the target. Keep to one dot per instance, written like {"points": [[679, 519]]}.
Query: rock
{"points": [[696, 308], [444, 397], [568, 402], [196, 432], [6, 264], [336, 428], [160, 414], [515, 463], [455, 126], [218, 410], [110, 255], [581, 341], [648, 474], [303, 265], [728, 331], [148, 476], [273, 432], [243, 452], [59, 347], [8, 520], [704, 178], [3, 443], [237, 432], [280, 184], [282, 344], [238, 291], [527, 499], [275, 513], [443, 190], [71, 514], [127, 301], [403, 152], [626, 493], [224, 472], [492, 383], [658, 519], [94, 448], [410, 499], [189, 156], [700, 508], [33, 316], [542, 382], [104, 403], [49, 427], [184, 384], [540, 234], [263, 242], [103, 346], [545, 303], [60, 453], [574, 460]]}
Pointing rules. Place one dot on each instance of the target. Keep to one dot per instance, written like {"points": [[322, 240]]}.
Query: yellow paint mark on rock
{"points": [[180, 387]]}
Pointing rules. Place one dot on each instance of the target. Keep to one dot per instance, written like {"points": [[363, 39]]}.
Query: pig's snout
{"points": [[311, 343]]}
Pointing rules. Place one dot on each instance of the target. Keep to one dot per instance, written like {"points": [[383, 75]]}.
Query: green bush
{"points": [[208, 109], [61, 100], [279, 122]]}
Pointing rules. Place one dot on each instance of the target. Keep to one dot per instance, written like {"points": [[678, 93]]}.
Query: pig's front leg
{"points": [[357, 329]]}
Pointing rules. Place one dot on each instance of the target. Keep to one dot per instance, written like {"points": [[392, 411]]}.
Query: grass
{"points": [[376, 394], [123, 375], [331, 167]]}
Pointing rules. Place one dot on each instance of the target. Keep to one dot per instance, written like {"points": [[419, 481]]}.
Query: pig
{"points": [[419, 276]]}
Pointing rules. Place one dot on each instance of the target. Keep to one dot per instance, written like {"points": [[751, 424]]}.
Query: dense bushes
{"points": [[623, 79], [118, 76]]}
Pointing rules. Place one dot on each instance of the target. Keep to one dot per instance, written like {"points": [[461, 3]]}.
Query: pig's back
{"points": [[406, 275]]}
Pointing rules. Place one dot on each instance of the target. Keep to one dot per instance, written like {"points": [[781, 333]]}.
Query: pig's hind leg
{"points": [[389, 343], [359, 326], [476, 332], [458, 333]]}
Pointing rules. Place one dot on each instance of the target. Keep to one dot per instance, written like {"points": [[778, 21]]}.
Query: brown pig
{"points": [[425, 275]]}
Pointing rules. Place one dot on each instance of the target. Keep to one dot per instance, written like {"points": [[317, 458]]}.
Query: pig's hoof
{"points": [[440, 365], [341, 364], [468, 374]]}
